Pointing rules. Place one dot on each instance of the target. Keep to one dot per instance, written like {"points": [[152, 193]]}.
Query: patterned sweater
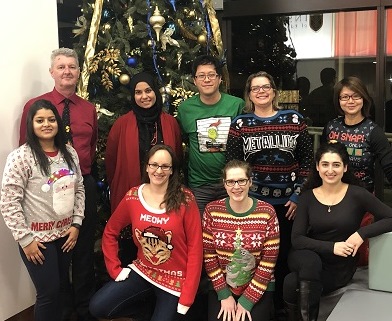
{"points": [[36, 206], [365, 142], [279, 148], [169, 245], [240, 250]]}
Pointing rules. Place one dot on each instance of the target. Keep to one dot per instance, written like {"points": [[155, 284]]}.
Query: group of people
{"points": [[269, 224]]}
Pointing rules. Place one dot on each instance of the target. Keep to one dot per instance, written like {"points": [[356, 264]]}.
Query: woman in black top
{"points": [[326, 232]]}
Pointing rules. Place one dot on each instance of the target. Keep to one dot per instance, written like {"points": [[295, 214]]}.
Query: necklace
{"points": [[332, 203]]}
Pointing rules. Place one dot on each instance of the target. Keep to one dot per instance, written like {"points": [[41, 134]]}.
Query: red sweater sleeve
{"points": [[192, 226], [119, 219]]}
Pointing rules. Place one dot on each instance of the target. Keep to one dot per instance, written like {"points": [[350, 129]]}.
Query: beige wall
{"points": [[29, 34]]}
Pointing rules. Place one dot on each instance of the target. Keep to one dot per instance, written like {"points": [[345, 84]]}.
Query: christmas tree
{"points": [[119, 38]]}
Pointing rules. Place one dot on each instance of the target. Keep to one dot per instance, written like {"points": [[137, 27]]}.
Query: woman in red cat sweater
{"points": [[166, 229]]}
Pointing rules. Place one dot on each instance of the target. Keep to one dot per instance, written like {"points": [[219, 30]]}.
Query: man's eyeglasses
{"points": [[347, 97], [240, 182], [256, 89], [156, 166], [211, 76]]}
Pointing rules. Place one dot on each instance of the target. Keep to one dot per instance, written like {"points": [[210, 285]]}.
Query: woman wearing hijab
{"points": [[134, 133]]}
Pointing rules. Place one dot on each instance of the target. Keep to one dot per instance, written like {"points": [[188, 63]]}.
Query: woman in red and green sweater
{"points": [[241, 244]]}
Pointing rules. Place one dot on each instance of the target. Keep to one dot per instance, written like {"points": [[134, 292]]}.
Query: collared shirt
{"points": [[83, 123]]}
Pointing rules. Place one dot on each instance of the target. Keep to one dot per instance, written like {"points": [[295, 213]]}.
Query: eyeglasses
{"points": [[211, 76], [256, 89], [163, 167], [347, 97], [240, 182]]}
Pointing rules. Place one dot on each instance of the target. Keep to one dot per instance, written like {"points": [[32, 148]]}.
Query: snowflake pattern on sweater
{"points": [[240, 250], [279, 148]]}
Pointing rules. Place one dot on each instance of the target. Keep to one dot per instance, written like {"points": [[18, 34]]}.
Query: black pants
{"points": [[281, 268], [332, 271], [82, 286], [260, 311]]}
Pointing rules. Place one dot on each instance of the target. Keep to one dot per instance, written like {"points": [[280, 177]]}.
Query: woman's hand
{"points": [[228, 309], [70, 243], [241, 313], [343, 249], [291, 212], [356, 240], [33, 253]]}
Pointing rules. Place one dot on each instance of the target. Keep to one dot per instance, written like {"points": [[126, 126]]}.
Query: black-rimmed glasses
{"points": [[347, 97], [256, 89], [240, 182], [163, 167]]}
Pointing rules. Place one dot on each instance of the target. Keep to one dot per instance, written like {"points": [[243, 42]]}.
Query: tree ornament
{"points": [[166, 89], [150, 43], [192, 14], [106, 15], [179, 60], [202, 39], [130, 23], [157, 21], [132, 61], [124, 79], [106, 27], [167, 39]]}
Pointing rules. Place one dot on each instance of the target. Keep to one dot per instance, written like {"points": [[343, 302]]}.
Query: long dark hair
{"points": [[59, 140], [314, 180], [175, 194]]}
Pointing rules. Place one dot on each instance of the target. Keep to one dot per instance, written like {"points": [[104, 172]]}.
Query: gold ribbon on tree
{"points": [[90, 49], [217, 35]]}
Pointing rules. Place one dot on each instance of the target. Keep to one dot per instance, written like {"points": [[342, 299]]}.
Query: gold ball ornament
{"points": [[150, 43], [124, 79], [202, 39]]}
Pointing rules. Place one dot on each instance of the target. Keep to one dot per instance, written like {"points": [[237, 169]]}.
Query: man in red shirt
{"points": [[83, 130]]}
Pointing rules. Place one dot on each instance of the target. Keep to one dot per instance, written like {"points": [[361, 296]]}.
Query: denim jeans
{"points": [[123, 299], [49, 279]]}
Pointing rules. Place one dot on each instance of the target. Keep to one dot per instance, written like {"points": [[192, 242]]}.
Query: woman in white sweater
{"points": [[42, 203]]}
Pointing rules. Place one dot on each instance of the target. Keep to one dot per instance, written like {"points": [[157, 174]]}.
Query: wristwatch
{"points": [[78, 226]]}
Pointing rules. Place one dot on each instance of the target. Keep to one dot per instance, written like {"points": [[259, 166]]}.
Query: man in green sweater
{"points": [[205, 122]]}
